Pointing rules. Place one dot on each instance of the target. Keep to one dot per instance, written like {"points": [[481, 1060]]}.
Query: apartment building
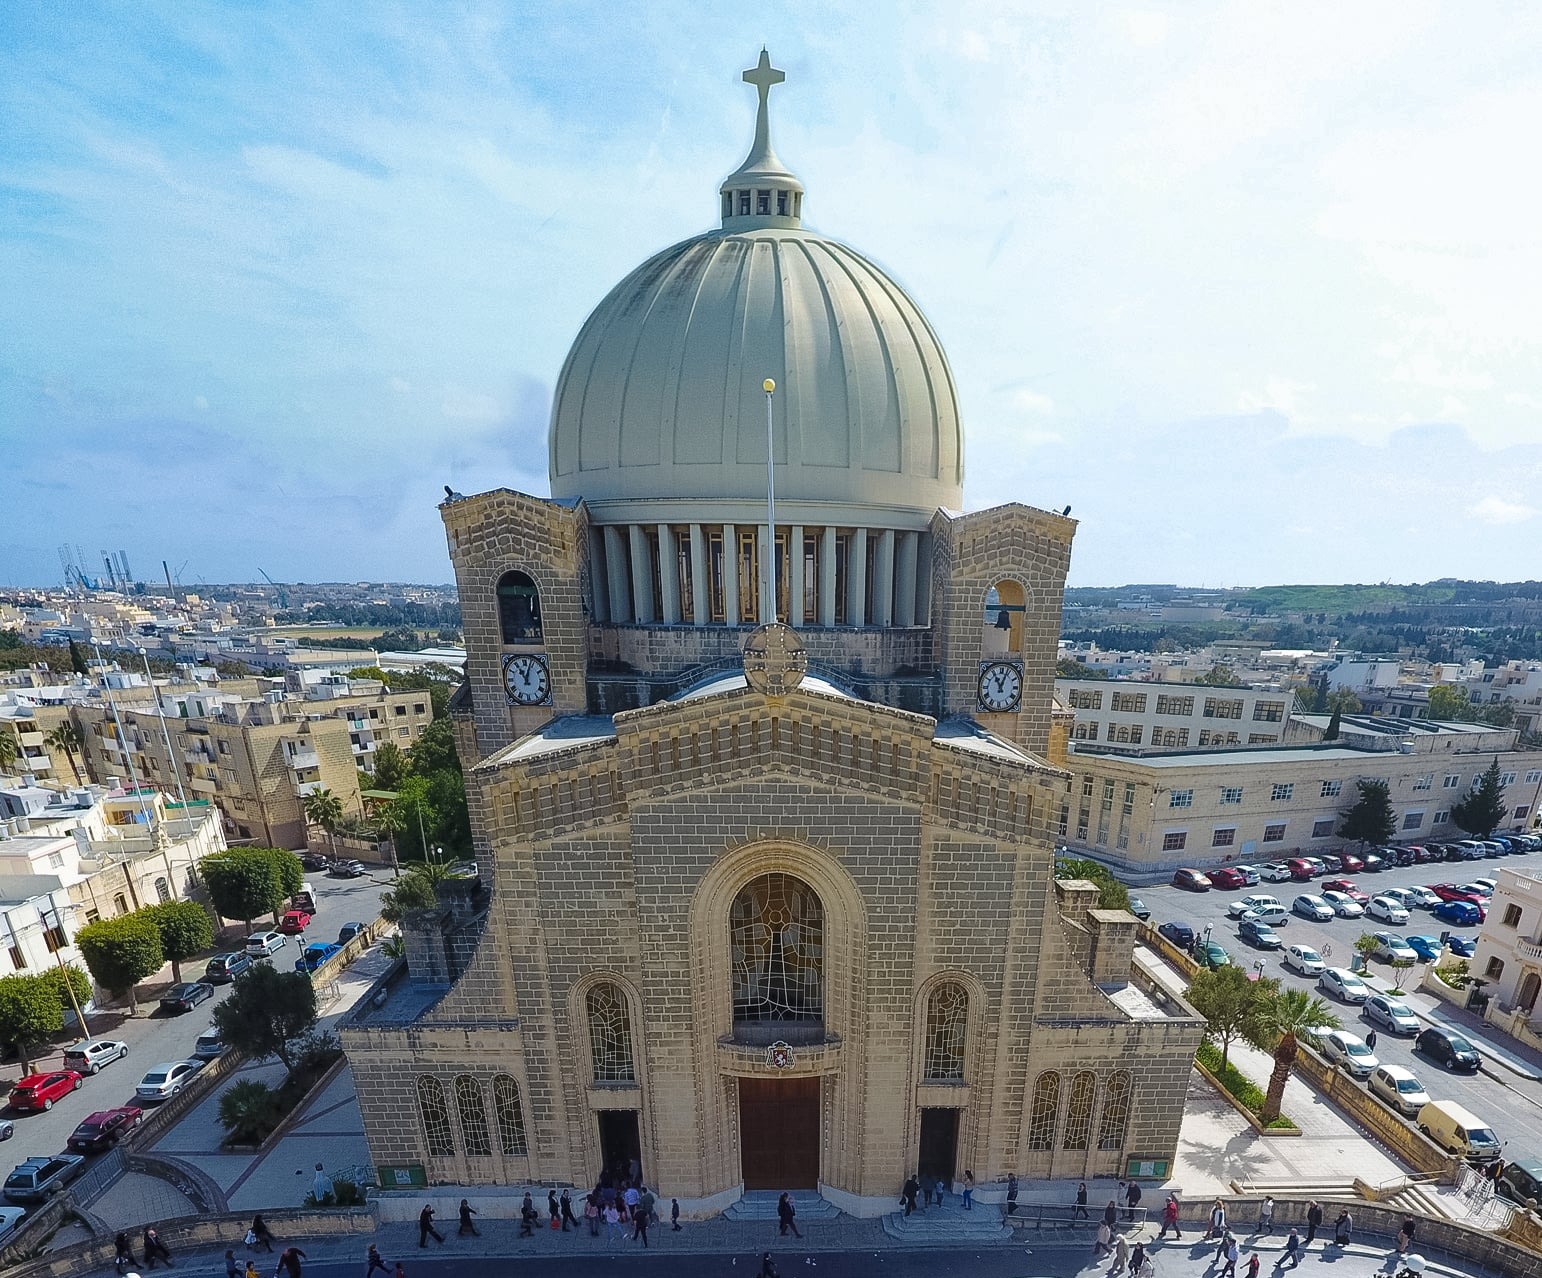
{"points": [[375, 715], [1174, 716]]}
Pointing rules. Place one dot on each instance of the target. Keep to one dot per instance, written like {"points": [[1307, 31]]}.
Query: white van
{"points": [[1459, 1131], [304, 899]]}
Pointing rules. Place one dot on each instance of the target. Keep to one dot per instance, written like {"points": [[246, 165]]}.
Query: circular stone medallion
{"points": [[774, 660]]}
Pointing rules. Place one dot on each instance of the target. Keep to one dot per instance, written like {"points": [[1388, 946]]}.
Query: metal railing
{"points": [[1031, 1215]]}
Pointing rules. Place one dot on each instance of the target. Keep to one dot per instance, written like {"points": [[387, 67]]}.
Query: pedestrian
{"points": [[1170, 1217], [1253, 1263], [1405, 1235], [1121, 1256], [1220, 1251], [289, 1260], [467, 1226], [1138, 1260], [233, 1266], [553, 1209], [259, 1235], [1266, 1216], [1131, 1200], [632, 1197], [674, 1214], [527, 1217], [1104, 1242], [1111, 1215], [613, 1227], [640, 1224], [1217, 1220], [1343, 1228], [1233, 1252], [1313, 1221], [375, 1262], [767, 1269], [251, 1268], [1011, 1193], [928, 1186], [942, 1191], [1292, 1249], [968, 1190], [907, 1195], [426, 1225], [399, 1272], [1370, 1040], [787, 1214], [124, 1260], [1080, 1210], [155, 1249], [592, 1212]]}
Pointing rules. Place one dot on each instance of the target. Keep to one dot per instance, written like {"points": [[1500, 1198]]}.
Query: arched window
{"points": [[510, 1114], [776, 942], [610, 1035], [435, 1117], [1078, 1118], [473, 1116], [947, 1016], [163, 889], [1116, 1111], [519, 608], [1046, 1102]]}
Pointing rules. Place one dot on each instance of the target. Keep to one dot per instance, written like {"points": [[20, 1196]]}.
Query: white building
{"points": [[1174, 716], [1509, 954]]}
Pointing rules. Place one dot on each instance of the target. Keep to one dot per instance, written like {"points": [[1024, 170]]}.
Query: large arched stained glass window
{"points": [[473, 1116], [610, 1035], [1078, 1119], [510, 1114], [435, 1117], [519, 608], [947, 1017], [1116, 1111], [1046, 1101], [776, 938]]}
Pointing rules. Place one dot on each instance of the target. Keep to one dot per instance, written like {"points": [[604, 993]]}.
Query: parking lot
{"points": [[154, 1037], [1511, 1104]]}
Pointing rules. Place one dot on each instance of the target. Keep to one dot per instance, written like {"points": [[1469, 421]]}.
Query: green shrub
{"points": [[1242, 1089], [249, 1111]]}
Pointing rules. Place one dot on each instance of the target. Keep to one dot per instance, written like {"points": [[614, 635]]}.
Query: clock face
{"points": [[526, 680], [1001, 686]]}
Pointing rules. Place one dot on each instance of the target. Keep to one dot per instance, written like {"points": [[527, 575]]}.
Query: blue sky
{"points": [[1251, 287]]}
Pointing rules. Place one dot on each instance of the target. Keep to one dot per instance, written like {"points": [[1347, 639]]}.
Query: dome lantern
{"points": [[762, 191]]}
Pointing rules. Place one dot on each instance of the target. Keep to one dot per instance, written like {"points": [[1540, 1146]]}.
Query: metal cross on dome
{"points": [[763, 75]]}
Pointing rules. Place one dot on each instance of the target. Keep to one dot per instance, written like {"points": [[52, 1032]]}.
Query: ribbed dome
{"points": [[661, 394]]}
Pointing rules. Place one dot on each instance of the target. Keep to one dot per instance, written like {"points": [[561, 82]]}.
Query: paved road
{"points": [[154, 1038], [1513, 1106]]}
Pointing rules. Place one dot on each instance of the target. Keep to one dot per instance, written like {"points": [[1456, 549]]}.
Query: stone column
{"points": [[701, 587], [669, 576], [730, 575], [905, 580], [795, 586], [642, 574], [598, 590], [883, 580], [856, 579], [616, 576], [827, 578]]}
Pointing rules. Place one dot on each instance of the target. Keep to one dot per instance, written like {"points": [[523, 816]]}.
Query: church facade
{"points": [[765, 807]]}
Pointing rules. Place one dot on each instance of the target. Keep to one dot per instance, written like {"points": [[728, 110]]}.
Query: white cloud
{"points": [[1496, 510]]}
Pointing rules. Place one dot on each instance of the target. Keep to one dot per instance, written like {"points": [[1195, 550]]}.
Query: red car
{"points": [[1347, 888], [103, 1129], [1191, 880], [40, 1091], [294, 922], [1453, 892], [1227, 877], [1350, 863], [1301, 870]]}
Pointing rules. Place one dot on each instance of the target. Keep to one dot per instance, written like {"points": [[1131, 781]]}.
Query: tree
{"points": [[287, 868], [1484, 807], [66, 737], [247, 1111], [325, 809], [243, 883], [266, 1011], [77, 659], [1371, 819], [434, 751], [1275, 1025], [1070, 668], [1226, 998], [65, 981], [30, 1014], [1332, 732], [1365, 945], [390, 766], [1219, 676], [185, 931], [1344, 701], [9, 749], [413, 891], [121, 952], [1448, 702], [1112, 894]]}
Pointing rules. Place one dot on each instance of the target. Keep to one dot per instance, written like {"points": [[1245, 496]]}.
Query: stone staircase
{"points": [[949, 1226], [760, 1205]]}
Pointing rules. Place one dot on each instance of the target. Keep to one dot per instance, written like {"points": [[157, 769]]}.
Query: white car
{"points": [[1400, 1088], [1305, 960], [1403, 896], [1275, 872], [1249, 874], [262, 944], [1419, 897], [1393, 948], [89, 1056], [1256, 901], [1346, 907], [1387, 910], [1390, 1013], [1342, 983], [1488, 885], [165, 1081], [10, 1220], [1346, 1049]]}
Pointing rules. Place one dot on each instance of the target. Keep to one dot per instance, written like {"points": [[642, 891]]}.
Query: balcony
{"points": [[300, 760], [304, 788], [1529, 949], [34, 740], [202, 785], [198, 755]]}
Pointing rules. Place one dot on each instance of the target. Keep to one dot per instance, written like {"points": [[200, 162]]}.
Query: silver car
{"points": [[89, 1056]]}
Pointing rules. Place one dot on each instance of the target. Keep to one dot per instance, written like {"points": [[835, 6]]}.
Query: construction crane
{"points": [[128, 577], [283, 595]]}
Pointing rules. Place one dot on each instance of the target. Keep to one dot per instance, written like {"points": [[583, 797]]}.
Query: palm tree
{"points": [[390, 820], [66, 737], [9, 749], [1275, 1027], [325, 809]]}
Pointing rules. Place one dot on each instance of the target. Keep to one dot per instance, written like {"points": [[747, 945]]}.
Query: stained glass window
{"points": [[947, 1014], [1116, 1111], [473, 1116], [435, 1116], [1046, 1101], [776, 930], [1078, 1119], [511, 1115], [610, 1036]]}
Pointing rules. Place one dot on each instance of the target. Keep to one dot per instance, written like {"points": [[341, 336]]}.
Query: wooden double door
{"points": [[779, 1132]]}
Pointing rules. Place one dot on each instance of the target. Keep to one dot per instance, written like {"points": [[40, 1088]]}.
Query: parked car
{"points": [[1180, 934], [314, 861], [1428, 853], [90, 1055], [1401, 855], [347, 869], [1345, 887], [1329, 861], [1373, 862], [313, 956], [1319, 866], [1456, 1129], [166, 1080], [1520, 1182], [7, 1129], [1390, 1012], [1462, 913], [1304, 959], [1349, 863], [1346, 907], [223, 968], [1426, 947], [10, 1221], [1340, 1047], [1276, 872], [35, 1179], [294, 922], [1448, 1048], [1387, 909], [1393, 948], [1455, 892], [1209, 954], [40, 1091], [1250, 874], [103, 1129], [348, 931], [1191, 881], [1343, 984], [1258, 933], [185, 997], [1419, 897], [1479, 891], [1312, 907], [1253, 901], [1301, 870], [210, 1046], [1398, 895], [1400, 1088], [262, 944], [1462, 946]]}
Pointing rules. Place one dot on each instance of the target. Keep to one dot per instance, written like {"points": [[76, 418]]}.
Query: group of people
{"points": [[934, 1189]]}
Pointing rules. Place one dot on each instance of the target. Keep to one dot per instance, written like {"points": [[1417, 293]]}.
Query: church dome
{"points": [[661, 396]]}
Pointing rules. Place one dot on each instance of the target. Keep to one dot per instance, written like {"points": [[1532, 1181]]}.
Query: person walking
{"points": [[527, 1217], [1233, 1252], [1343, 1228], [787, 1214], [1253, 1263], [674, 1215], [1370, 1040], [1011, 1193], [426, 1225], [568, 1218], [1121, 1256], [124, 1260], [968, 1190], [1405, 1235], [614, 1229], [467, 1225], [1131, 1200], [375, 1262], [1313, 1221], [1217, 1220], [1138, 1261], [908, 1193], [1104, 1242], [1111, 1215], [942, 1190], [1266, 1215], [259, 1234], [1292, 1249], [251, 1268], [592, 1213], [640, 1223], [1170, 1217], [1079, 1212], [233, 1267], [155, 1249], [553, 1208], [289, 1261]]}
